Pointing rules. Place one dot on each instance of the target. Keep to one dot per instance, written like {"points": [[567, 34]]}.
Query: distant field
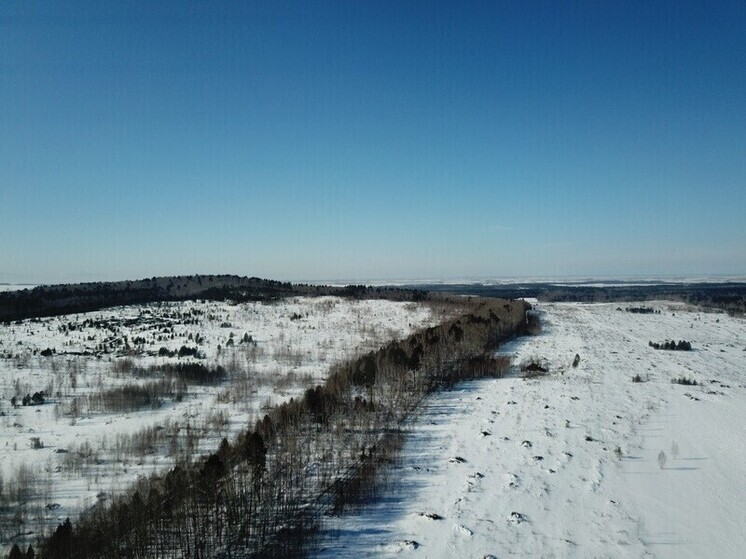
{"points": [[728, 294], [15, 287]]}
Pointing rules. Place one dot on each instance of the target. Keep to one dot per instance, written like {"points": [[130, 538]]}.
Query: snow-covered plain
{"points": [[15, 286], [60, 458], [580, 462]]}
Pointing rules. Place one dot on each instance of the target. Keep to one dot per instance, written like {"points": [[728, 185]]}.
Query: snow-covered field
{"points": [[15, 286], [67, 454], [580, 462]]}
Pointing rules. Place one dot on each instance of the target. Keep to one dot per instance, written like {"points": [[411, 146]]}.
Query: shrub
{"points": [[483, 366], [185, 351], [641, 310], [125, 366], [533, 324], [662, 459], [195, 373], [671, 345], [674, 450], [685, 381], [132, 397], [534, 367], [637, 378]]}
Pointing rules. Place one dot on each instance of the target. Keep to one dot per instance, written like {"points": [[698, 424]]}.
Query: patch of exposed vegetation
{"points": [[672, 345], [685, 381], [641, 310]]}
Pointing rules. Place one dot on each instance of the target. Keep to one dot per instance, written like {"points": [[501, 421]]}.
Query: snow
{"points": [[566, 464], [16, 286]]}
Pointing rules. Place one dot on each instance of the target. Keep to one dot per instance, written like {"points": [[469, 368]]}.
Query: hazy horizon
{"points": [[387, 140], [487, 280]]}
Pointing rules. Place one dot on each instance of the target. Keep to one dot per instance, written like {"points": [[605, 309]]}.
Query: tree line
{"points": [[729, 296], [672, 345], [55, 300]]}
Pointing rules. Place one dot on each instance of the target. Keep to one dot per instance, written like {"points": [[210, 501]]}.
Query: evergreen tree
{"points": [[59, 546]]}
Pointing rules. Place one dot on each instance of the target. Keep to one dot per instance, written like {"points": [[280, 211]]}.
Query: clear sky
{"points": [[364, 140]]}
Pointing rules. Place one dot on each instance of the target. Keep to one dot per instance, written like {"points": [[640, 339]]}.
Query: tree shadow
{"points": [[364, 530]]}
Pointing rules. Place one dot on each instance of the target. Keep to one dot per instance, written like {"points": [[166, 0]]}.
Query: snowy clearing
{"points": [[78, 447], [581, 461]]}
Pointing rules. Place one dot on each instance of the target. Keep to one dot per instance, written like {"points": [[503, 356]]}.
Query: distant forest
{"points": [[62, 299], [52, 300], [730, 297]]}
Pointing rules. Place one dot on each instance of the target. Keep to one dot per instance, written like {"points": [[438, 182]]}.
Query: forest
{"points": [[53, 300], [729, 296]]}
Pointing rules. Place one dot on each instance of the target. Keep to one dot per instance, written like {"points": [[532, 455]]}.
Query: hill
{"points": [[54, 300]]}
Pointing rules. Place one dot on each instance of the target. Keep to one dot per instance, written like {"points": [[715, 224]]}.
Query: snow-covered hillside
{"points": [[580, 462], [15, 286], [70, 452]]}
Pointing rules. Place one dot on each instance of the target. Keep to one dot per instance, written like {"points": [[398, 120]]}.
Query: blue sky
{"points": [[364, 140]]}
